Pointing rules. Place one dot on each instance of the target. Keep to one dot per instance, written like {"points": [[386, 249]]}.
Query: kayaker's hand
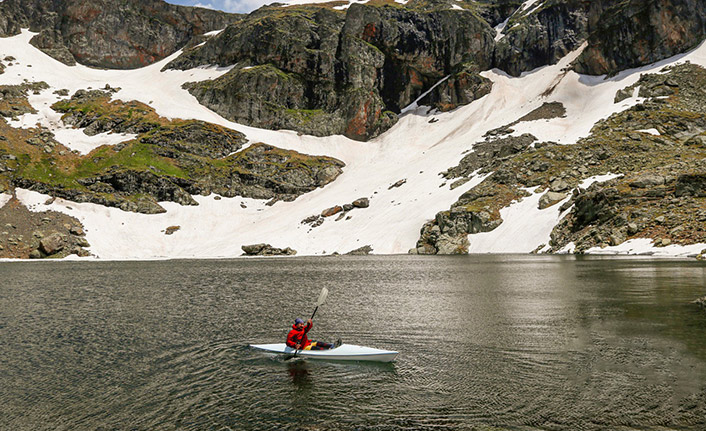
{"points": [[297, 346], [309, 322]]}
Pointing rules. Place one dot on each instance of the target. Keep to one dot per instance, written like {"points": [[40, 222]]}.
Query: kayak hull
{"points": [[345, 352]]}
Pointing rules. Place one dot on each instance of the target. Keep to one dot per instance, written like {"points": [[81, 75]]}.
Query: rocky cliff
{"points": [[119, 34], [323, 71], [626, 34]]}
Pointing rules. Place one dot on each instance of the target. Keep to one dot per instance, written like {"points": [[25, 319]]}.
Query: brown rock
{"points": [[331, 211]]}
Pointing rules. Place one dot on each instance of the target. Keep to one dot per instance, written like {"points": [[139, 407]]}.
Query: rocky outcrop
{"points": [[634, 33], [461, 88], [541, 35], [25, 234], [323, 72], [169, 160], [659, 193], [361, 251], [266, 250], [119, 34], [476, 211]]}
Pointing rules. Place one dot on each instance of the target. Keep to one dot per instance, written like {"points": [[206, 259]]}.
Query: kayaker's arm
{"points": [[308, 326]]}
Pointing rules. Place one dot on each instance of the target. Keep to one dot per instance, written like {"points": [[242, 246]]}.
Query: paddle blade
{"points": [[322, 297]]}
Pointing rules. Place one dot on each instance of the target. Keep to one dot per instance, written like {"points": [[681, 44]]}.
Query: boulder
{"points": [[559, 185], [51, 244], [267, 250], [550, 198], [447, 244], [647, 180], [328, 212], [254, 249], [361, 203]]}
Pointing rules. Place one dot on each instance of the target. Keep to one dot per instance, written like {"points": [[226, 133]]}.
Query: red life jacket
{"points": [[297, 336]]}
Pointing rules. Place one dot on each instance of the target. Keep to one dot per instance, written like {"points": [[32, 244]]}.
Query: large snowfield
{"points": [[414, 149]]}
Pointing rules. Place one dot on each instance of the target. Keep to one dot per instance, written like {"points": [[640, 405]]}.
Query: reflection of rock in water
{"points": [[299, 372]]}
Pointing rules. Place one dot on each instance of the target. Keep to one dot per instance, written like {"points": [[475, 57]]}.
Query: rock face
{"points": [[323, 72], [541, 35], [633, 33], [120, 34]]}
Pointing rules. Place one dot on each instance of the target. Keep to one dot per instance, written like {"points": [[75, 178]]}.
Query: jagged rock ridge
{"points": [[116, 34]]}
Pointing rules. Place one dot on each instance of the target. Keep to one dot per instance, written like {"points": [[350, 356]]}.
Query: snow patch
{"points": [[499, 29], [4, 198], [597, 179], [524, 228], [654, 132], [350, 2], [645, 246]]}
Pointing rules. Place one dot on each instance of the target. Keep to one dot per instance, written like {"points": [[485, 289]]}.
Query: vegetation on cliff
{"points": [[169, 160], [660, 194]]}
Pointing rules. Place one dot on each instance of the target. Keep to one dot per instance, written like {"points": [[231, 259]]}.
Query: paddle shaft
{"points": [[322, 299]]}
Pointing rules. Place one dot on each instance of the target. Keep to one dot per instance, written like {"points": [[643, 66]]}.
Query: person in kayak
{"points": [[297, 337]]}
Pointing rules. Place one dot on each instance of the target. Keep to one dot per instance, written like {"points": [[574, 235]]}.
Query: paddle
{"points": [[319, 302]]}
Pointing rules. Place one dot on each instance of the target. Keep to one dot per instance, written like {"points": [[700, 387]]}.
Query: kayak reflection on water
{"points": [[299, 373]]}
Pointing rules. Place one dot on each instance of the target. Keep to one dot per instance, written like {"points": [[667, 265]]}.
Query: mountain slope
{"points": [[618, 132]]}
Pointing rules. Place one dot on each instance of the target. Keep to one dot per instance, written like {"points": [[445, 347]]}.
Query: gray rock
{"points": [[550, 198], [51, 244], [362, 251], [647, 180], [447, 244], [361, 203], [559, 185], [266, 250]]}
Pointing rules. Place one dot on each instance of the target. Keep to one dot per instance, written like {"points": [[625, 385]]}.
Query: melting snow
{"points": [[650, 131], [525, 227], [414, 149], [645, 246]]}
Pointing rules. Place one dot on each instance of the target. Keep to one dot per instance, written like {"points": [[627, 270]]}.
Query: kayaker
{"points": [[297, 338]]}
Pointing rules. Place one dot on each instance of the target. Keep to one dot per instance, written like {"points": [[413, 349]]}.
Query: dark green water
{"points": [[508, 342]]}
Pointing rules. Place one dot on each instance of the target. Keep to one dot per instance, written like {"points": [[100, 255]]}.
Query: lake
{"points": [[516, 342]]}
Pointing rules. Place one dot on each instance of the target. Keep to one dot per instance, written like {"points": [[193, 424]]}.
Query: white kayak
{"points": [[345, 352]]}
